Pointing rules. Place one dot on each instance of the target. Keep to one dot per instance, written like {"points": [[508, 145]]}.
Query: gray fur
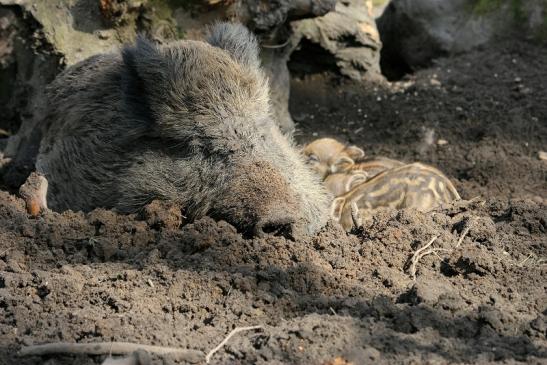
{"points": [[236, 40], [186, 122]]}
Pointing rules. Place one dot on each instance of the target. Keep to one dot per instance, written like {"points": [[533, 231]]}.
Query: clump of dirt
{"points": [[333, 298]]}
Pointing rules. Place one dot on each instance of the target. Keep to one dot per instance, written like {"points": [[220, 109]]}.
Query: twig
{"points": [[464, 233], [131, 360], [234, 331], [333, 311], [431, 251], [520, 264], [140, 357], [104, 348], [5, 251], [417, 256], [421, 249], [420, 253], [227, 295]]}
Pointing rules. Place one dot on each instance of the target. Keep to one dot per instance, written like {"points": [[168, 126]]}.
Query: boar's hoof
{"points": [[34, 192]]}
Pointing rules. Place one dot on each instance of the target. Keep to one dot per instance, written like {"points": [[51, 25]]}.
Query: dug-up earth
{"points": [[478, 297]]}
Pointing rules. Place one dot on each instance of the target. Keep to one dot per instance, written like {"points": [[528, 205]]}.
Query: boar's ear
{"points": [[146, 68], [236, 40], [336, 209], [354, 152], [355, 180], [342, 164]]}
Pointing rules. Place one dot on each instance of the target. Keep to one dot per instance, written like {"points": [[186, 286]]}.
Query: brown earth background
{"points": [[334, 297]]}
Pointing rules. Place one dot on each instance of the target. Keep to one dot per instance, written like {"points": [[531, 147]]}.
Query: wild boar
{"points": [[328, 156], [410, 186], [373, 166], [189, 122], [340, 183]]}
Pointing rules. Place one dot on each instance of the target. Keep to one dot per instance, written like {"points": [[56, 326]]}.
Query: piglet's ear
{"points": [[355, 180], [237, 40], [342, 164], [354, 152], [336, 208]]}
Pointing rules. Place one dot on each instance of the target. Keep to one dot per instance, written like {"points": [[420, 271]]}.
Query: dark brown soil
{"points": [[104, 277]]}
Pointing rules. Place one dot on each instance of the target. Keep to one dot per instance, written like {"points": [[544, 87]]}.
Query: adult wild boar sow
{"points": [[189, 121]]}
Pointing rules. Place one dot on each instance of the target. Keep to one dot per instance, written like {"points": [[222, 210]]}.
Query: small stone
{"points": [[542, 155], [442, 142]]}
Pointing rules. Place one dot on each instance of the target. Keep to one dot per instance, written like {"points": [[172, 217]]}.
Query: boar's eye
{"points": [[313, 159]]}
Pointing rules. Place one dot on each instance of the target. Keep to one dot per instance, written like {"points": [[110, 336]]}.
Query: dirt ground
{"points": [[334, 298]]}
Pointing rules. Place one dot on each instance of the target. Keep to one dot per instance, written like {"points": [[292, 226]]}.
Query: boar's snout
{"points": [[259, 201], [282, 226]]}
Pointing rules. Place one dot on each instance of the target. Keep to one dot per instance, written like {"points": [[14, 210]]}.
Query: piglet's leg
{"points": [[356, 216], [34, 192]]}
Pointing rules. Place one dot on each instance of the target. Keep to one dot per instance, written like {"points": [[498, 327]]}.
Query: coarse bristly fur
{"points": [[188, 121]]}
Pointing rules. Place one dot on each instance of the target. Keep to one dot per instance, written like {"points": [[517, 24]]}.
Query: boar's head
{"points": [[207, 106]]}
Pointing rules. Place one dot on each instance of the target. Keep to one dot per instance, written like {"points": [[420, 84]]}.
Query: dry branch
{"points": [[421, 252], [418, 255], [464, 233], [131, 360], [104, 348]]}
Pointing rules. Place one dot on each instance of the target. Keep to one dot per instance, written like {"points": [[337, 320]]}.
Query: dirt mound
{"points": [[101, 276], [334, 297]]}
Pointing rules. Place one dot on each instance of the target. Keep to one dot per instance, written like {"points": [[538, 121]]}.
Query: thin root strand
{"points": [[227, 338]]}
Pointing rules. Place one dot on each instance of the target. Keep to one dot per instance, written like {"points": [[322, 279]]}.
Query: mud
{"points": [[334, 297]]}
